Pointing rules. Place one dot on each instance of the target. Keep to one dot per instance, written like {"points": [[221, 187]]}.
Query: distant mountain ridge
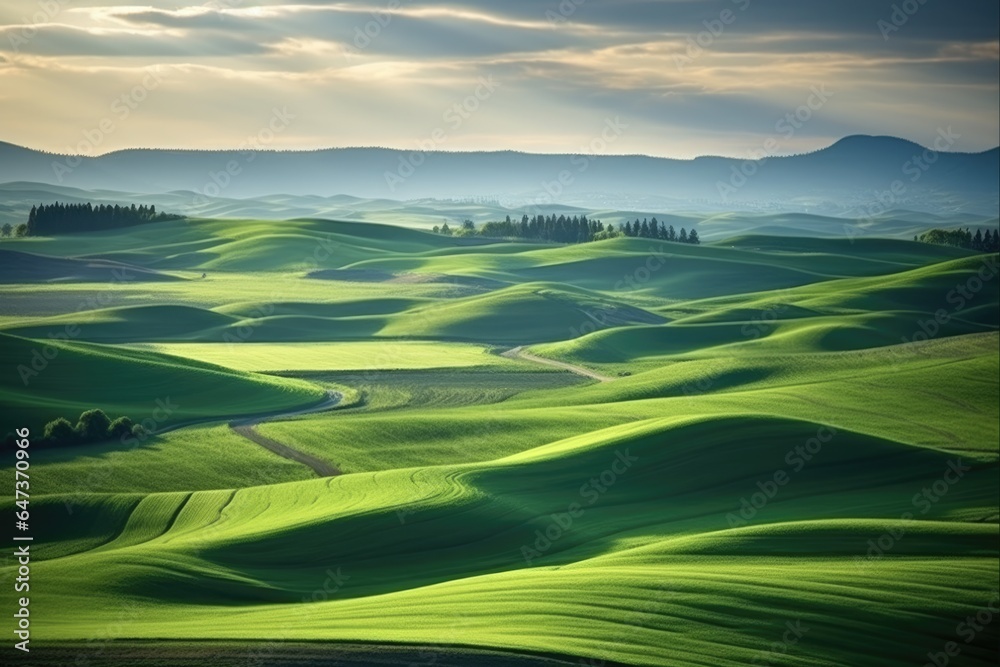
{"points": [[856, 176]]}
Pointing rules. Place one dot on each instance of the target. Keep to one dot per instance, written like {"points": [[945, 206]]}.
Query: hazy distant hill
{"points": [[17, 198], [854, 176]]}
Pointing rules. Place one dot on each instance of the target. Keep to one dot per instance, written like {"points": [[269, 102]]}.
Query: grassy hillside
{"points": [[49, 379], [658, 535], [350, 356], [197, 458], [723, 434], [835, 315], [940, 396]]}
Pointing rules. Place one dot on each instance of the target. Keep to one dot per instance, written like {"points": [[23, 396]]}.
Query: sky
{"points": [[673, 78]]}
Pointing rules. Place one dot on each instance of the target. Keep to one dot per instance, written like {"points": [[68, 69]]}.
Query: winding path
{"points": [[519, 353], [245, 428]]}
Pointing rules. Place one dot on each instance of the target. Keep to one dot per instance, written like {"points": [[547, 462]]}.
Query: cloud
{"points": [[688, 73], [64, 40]]}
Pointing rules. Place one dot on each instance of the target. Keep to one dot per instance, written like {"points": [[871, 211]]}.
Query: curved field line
{"points": [[245, 428], [519, 353]]}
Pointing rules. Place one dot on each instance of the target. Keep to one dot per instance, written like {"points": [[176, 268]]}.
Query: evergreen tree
{"points": [[683, 236], [61, 218], [693, 237], [557, 228]]}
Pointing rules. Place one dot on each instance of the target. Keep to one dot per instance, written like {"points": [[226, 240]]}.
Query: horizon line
{"points": [[490, 151]]}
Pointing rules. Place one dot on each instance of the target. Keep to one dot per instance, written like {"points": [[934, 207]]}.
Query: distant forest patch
{"points": [[46, 220], [963, 238], [567, 229]]}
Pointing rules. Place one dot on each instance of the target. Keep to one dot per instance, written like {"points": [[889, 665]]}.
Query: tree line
{"points": [[567, 229], [963, 238], [654, 229], [92, 426], [58, 218]]}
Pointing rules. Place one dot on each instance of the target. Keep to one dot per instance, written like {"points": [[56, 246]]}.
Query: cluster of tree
{"points": [[566, 229], [60, 218], [556, 228], [92, 426], [653, 229], [18, 231], [963, 238]]}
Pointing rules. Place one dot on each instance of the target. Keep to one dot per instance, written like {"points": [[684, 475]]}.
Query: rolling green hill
{"points": [[49, 379], [765, 450], [656, 532]]}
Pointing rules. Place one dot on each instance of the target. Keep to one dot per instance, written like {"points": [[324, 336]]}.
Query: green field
{"points": [[344, 356], [762, 450]]}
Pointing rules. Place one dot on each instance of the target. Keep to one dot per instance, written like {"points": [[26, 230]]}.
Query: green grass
{"points": [[347, 356], [727, 360], [191, 459], [411, 421], [421, 546], [47, 379], [837, 315]]}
